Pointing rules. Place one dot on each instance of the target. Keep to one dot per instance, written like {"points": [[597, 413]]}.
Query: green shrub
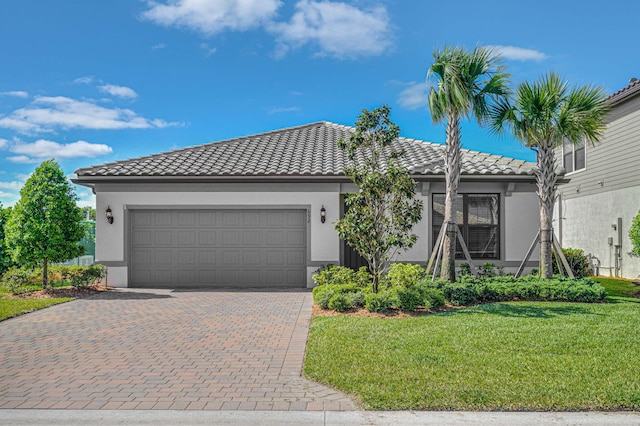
{"points": [[460, 294], [634, 235], [322, 294], [404, 275], [363, 278], [465, 269], [487, 269], [434, 297], [408, 299], [357, 299], [578, 263], [339, 302], [18, 280], [378, 302], [334, 275]]}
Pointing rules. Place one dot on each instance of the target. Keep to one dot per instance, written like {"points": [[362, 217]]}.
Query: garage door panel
{"points": [[206, 257], [218, 248], [206, 218], [275, 238], [230, 238], [251, 237], [250, 257], [187, 257], [141, 238], [187, 238], [295, 238], [186, 218], [163, 238], [295, 258], [162, 219], [206, 238]]}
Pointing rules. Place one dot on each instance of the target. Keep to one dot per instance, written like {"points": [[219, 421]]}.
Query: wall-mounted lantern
{"points": [[323, 214], [109, 215]]}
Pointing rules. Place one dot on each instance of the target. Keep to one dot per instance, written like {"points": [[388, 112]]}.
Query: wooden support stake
{"points": [[567, 268], [435, 251], [526, 258], [465, 251]]}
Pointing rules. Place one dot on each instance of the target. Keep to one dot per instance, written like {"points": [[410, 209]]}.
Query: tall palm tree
{"points": [[465, 84], [542, 116]]}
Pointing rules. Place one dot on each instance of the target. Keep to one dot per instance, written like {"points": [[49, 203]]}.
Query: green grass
{"points": [[502, 356], [619, 288], [14, 307]]}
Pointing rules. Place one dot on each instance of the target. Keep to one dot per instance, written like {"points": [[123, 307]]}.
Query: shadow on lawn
{"points": [[524, 311]]}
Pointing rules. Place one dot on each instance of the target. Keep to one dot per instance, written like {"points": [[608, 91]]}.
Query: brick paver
{"points": [[162, 349]]}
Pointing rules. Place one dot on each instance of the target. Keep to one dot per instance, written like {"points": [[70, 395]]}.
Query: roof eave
{"points": [[91, 181]]}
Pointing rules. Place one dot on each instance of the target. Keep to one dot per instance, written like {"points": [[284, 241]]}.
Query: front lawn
{"points": [[500, 356], [14, 307]]}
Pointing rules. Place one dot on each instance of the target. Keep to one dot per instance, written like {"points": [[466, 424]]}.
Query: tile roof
{"points": [[629, 90], [307, 150]]}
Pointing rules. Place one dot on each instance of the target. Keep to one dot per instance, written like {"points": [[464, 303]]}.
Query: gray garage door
{"points": [[218, 248]]}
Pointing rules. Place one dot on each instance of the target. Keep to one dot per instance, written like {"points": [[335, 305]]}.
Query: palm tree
{"points": [[466, 84], [542, 116]]}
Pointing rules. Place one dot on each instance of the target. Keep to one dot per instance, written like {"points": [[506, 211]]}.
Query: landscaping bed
{"points": [[20, 291]]}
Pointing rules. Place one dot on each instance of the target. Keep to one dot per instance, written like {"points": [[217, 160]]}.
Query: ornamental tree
{"points": [[381, 214], [5, 258], [634, 235], [44, 226]]}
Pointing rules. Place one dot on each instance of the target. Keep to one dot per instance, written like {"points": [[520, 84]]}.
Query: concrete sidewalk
{"points": [[307, 418]]}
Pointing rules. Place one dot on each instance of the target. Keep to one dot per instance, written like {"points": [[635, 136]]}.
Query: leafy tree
{"points": [[381, 214], [89, 213], [466, 83], [542, 116], [44, 225], [634, 235], [5, 258]]}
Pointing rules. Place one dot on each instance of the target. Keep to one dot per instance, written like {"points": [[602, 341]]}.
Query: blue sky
{"points": [[90, 82]]}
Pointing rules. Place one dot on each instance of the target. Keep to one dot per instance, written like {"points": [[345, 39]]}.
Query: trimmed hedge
{"points": [[406, 290]]}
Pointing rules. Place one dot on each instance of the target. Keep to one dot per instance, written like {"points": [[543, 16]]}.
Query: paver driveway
{"points": [[162, 349]]}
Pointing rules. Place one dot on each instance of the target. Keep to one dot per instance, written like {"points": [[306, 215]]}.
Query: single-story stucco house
{"points": [[257, 211]]}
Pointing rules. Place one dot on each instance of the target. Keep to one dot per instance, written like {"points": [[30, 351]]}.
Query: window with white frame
{"points": [[573, 156]]}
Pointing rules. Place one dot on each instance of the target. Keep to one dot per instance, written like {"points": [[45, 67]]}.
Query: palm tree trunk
{"points": [[452, 177], [546, 179]]}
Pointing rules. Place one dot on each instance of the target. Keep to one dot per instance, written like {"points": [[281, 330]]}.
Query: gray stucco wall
{"points": [[519, 216]]}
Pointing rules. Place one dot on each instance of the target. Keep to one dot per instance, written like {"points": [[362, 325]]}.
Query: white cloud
{"points": [[210, 17], [208, 49], [22, 159], [3, 143], [84, 80], [16, 93], [14, 185], [158, 46], [518, 53], [120, 91], [48, 113], [338, 29], [42, 148], [284, 109], [415, 95]]}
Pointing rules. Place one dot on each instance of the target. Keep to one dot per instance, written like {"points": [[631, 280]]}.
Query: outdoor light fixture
{"points": [[323, 214], [109, 215]]}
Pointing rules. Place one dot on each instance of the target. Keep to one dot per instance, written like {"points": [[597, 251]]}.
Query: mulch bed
{"points": [[74, 292], [391, 313]]}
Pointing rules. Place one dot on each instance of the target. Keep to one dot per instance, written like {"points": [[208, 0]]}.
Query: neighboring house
{"points": [[246, 212], [595, 209]]}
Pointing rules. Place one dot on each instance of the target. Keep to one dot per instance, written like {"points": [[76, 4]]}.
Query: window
{"points": [[573, 156], [478, 217]]}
